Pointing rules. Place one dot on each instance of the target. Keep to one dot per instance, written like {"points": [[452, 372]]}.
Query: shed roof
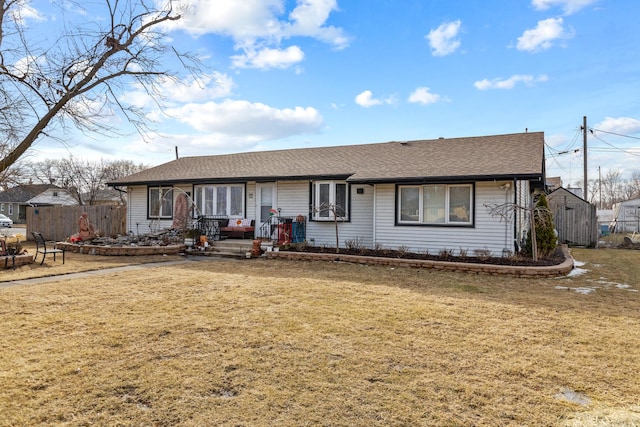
{"points": [[509, 156]]}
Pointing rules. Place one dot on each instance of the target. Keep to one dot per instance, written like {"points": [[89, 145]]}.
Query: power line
{"points": [[614, 147], [612, 133], [568, 147]]}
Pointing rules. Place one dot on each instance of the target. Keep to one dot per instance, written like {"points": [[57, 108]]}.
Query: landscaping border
{"points": [[467, 267], [107, 250], [11, 261]]}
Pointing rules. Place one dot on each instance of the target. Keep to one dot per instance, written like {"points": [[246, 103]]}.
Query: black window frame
{"points": [[399, 221]]}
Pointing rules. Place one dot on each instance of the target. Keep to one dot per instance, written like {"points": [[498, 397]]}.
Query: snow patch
{"points": [[580, 290]]}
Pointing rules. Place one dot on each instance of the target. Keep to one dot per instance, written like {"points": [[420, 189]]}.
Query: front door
{"points": [[266, 201]]}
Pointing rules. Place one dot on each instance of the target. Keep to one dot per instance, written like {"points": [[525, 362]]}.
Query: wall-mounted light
{"points": [[506, 186]]}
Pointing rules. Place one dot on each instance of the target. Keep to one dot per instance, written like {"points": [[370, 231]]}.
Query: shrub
{"points": [[483, 253], [403, 250], [356, 244], [546, 239]]}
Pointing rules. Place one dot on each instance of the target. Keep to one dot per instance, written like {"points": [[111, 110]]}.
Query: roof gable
{"points": [[567, 196], [486, 157], [24, 192]]}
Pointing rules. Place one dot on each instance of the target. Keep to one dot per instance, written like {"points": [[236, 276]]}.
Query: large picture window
{"points": [[448, 204], [330, 200], [160, 202], [225, 200]]}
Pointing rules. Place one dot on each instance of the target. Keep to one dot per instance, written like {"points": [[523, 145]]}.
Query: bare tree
{"points": [[631, 189], [83, 179], [612, 185], [119, 169], [539, 216], [336, 212], [75, 77]]}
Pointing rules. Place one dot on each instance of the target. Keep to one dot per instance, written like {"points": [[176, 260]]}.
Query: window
{"points": [[160, 202], [227, 200], [10, 211], [450, 204], [330, 199]]}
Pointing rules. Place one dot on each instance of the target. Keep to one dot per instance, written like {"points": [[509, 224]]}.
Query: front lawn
{"points": [[268, 342]]}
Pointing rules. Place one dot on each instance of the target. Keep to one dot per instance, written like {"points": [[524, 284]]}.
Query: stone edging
{"points": [[509, 270], [120, 250], [7, 262]]}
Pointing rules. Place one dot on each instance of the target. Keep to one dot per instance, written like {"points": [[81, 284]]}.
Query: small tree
{"points": [[544, 241], [336, 211], [541, 220]]}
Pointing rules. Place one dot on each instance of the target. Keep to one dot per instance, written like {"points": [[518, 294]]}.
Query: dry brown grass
{"points": [[75, 263], [262, 343]]}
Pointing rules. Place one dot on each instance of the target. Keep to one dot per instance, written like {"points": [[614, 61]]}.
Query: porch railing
{"points": [[284, 229]]}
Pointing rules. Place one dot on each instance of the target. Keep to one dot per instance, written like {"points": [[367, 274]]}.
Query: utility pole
{"points": [[584, 140], [600, 185]]}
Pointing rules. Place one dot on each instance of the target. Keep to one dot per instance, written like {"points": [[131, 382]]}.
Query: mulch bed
{"points": [[557, 257]]}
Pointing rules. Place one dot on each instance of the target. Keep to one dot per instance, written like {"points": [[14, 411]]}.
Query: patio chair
{"points": [[41, 248]]}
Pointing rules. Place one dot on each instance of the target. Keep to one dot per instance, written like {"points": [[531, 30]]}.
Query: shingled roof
{"points": [[478, 158], [24, 192]]}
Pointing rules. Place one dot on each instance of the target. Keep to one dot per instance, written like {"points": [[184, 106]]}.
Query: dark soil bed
{"points": [[557, 257]]}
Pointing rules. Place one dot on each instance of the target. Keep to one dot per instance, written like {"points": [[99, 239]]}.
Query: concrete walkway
{"points": [[93, 273]]}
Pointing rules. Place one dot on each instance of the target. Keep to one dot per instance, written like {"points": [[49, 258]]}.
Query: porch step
{"points": [[230, 248]]}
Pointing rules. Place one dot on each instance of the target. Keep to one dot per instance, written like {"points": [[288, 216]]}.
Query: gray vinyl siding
{"points": [[359, 228], [137, 220], [250, 200], [489, 232], [292, 198], [524, 201]]}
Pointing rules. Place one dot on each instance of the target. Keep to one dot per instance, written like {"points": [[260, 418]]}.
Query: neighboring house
{"points": [[14, 201], [553, 183], [107, 196], [575, 219], [429, 195], [626, 217], [53, 197]]}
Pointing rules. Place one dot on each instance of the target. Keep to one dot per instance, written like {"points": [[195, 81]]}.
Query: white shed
{"points": [[626, 217]]}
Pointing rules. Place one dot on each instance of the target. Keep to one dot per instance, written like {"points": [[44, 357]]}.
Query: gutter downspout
{"points": [[516, 247]]}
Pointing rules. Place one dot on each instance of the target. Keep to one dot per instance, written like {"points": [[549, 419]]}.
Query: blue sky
{"points": [[284, 74]]}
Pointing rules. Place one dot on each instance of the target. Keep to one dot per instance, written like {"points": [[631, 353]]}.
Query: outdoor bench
{"points": [[238, 228]]}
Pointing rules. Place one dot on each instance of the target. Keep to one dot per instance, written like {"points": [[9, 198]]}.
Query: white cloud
{"points": [[366, 99], [25, 12], [621, 125], [510, 83], [25, 66], [259, 27], [443, 40], [244, 119], [422, 95], [568, 6], [205, 87], [308, 19], [268, 58], [543, 36]]}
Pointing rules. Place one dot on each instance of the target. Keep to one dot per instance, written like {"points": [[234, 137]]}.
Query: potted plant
{"points": [[190, 237]]}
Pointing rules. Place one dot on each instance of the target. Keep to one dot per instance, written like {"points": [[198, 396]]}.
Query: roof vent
{"points": [[442, 137], [404, 143]]}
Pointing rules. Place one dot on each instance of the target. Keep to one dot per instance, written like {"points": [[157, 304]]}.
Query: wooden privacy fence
{"points": [[61, 222], [576, 223]]}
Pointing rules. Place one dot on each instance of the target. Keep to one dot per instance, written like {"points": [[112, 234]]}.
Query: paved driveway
{"points": [[16, 229]]}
